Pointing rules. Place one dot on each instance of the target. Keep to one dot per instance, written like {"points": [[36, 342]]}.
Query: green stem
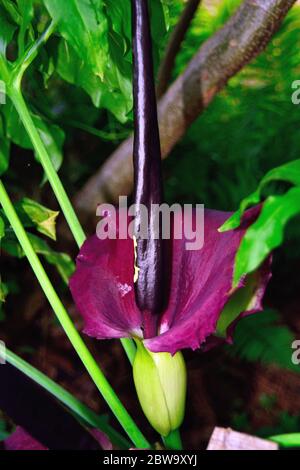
{"points": [[80, 409], [287, 441], [97, 132], [54, 180], [129, 348], [89, 362], [173, 440], [26, 59], [57, 186]]}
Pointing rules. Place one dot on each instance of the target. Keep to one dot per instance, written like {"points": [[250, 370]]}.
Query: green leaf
{"points": [[78, 408], [2, 228], [108, 81], [290, 173], [114, 93], [267, 232], [3, 294], [3, 430], [242, 300], [7, 30], [52, 136], [4, 155], [84, 26], [119, 17], [3, 291], [61, 261], [261, 338], [12, 11], [26, 12], [4, 142], [43, 219]]}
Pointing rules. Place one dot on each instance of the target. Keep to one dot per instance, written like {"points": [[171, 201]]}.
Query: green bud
{"points": [[160, 382]]}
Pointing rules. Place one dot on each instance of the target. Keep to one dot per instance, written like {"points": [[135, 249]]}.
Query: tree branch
{"points": [[173, 47], [242, 38]]}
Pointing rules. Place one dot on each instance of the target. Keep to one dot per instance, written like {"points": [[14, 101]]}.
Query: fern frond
{"points": [[262, 338]]}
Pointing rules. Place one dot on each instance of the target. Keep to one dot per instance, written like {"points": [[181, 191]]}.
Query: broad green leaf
{"points": [[119, 18], [12, 11], [75, 59], [261, 338], [26, 12], [61, 261], [84, 26], [159, 20], [51, 135], [43, 218], [290, 173], [114, 93], [7, 30], [75, 71], [267, 232]]}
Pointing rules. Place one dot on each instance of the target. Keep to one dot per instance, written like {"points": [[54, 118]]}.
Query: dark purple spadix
{"points": [[147, 165]]}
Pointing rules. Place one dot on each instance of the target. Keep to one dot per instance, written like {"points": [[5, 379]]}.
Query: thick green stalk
{"points": [[55, 182], [173, 440], [89, 362], [129, 348], [79, 408]]}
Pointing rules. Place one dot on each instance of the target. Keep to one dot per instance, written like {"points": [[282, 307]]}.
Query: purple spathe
{"points": [[200, 287]]}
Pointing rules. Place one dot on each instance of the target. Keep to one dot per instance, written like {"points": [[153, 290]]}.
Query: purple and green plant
{"points": [[209, 289]]}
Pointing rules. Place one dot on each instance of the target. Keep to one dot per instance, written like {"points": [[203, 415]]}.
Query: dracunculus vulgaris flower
{"points": [[164, 296]]}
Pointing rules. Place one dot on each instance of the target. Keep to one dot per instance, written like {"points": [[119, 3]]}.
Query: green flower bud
{"points": [[160, 382]]}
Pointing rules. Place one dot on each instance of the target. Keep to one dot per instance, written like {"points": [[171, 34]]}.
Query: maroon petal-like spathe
{"points": [[102, 287], [21, 440], [200, 286]]}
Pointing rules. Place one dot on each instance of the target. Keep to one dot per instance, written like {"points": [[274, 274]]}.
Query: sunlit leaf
{"points": [[267, 232], [84, 26], [43, 219], [95, 52], [290, 173]]}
